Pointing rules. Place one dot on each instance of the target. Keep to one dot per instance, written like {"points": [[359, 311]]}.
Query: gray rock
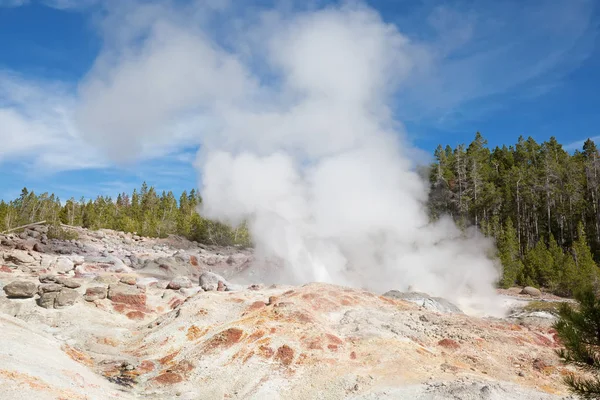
{"points": [[426, 301], [39, 247], [531, 291], [46, 300], [68, 282], [209, 281], [47, 278], [95, 293], [19, 257], [63, 265], [49, 287], [179, 283], [66, 298], [40, 228], [20, 289]]}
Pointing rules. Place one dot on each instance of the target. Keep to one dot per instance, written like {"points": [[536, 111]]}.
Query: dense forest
{"points": [[540, 203], [143, 212]]}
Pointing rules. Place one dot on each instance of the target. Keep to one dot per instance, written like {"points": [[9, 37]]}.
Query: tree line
{"points": [[144, 212], [540, 203]]}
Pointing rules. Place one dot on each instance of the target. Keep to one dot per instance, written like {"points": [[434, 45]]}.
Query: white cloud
{"points": [[578, 145], [70, 4]]}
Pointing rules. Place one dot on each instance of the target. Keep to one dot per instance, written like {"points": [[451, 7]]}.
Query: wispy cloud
{"points": [[489, 49], [165, 63], [70, 4], [578, 145], [13, 3]]}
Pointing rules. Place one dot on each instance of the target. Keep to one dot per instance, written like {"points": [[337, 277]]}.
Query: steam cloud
{"points": [[298, 138]]}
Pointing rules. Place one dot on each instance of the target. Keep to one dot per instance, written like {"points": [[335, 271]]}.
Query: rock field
{"points": [[117, 316]]}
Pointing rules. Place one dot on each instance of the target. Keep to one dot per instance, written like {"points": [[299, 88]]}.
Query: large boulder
{"points": [[20, 289], [426, 301], [531, 291]]}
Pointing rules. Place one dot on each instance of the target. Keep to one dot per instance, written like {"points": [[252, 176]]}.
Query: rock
{"points": [[68, 282], [24, 246], [40, 228], [147, 282], [19, 257], [531, 291], [190, 291], [63, 265], [127, 294], [209, 281], [179, 283], [128, 279], [424, 300], [39, 247], [46, 300], [23, 235], [66, 298], [109, 263], [106, 279], [20, 289], [47, 278], [7, 242], [49, 287], [95, 293]]}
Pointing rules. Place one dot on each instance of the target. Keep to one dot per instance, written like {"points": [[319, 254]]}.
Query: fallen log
{"points": [[25, 226]]}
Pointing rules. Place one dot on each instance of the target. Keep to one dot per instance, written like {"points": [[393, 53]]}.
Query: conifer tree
{"points": [[579, 332], [508, 252]]}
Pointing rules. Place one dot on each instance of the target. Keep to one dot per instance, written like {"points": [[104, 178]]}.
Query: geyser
{"points": [[298, 138]]}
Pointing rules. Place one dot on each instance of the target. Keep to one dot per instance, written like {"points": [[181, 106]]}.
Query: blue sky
{"points": [[504, 68]]}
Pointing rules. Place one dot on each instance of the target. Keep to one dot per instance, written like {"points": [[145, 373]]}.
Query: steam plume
{"points": [[298, 138]]}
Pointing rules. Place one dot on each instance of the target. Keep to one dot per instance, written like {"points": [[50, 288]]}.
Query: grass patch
{"points": [[551, 307]]}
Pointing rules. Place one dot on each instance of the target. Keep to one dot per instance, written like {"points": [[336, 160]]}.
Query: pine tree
{"points": [[579, 332], [538, 266], [587, 270], [508, 252]]}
